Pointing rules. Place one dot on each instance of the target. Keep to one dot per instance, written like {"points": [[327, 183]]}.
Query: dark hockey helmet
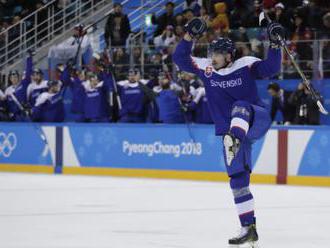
{"points": [[37, 71], [134, 71], [13, 73], [223, 46], [51, 83]]}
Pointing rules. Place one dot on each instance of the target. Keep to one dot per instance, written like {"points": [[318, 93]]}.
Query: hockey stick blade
{"points": [[321, 108]]}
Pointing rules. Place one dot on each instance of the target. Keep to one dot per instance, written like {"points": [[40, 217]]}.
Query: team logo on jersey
{"points": [[208, 71]]}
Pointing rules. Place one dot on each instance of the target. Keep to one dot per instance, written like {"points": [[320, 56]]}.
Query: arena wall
{"points": [[286, 155]]}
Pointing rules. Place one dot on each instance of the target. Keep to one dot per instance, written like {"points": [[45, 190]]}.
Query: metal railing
{"points": [[139, 36], [311, 55], [42, 26]]}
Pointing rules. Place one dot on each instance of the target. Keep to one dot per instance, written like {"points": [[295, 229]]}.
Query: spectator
{"points": [[42, 23], [301, 44], [282, 17], [241, 13], [36, 87], [121, 63], [179, 21], [179, 32], [165, 19], [49, 105], [204, 15], [194, 5], [252, 20], [137, 53], [280, 101], [13, 37], [188, 15], [155, 64], [117, 28], [325, 28], [167, 58], [307, 111], [166, 38], [221, 21]]}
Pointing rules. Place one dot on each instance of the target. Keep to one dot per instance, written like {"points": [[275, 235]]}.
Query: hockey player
{"points": [[37, 86], [168, 102], [74, 78], [17, 91], [199, 107], [96, 97], [133, 98], [3, 108], [49, 105], [236, 109]]}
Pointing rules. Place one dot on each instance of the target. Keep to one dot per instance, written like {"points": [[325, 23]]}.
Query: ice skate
{"points": [[248, 237], [231, 147]]}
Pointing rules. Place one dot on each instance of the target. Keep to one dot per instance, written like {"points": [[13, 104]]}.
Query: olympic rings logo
{"points": [[8, 144]]}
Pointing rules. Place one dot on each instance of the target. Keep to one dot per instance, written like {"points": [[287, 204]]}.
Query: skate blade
{"points": [[247, 245]]}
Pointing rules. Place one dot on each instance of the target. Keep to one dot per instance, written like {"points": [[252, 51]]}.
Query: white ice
{"points": [[56, 211]]}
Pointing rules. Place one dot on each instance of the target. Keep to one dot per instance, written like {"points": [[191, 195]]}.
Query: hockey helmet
{"points": [[223, 46]]}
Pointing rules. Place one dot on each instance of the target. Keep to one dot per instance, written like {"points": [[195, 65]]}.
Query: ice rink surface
{"points": [[42, 211]]}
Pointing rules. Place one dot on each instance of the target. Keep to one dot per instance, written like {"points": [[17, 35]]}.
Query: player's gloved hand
{"points": [[70, 63], [276, 33], [27, 110], [31, 52], [60, 67], [196, 27]]}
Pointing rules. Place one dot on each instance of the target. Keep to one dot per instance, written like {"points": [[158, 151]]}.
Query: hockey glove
{"points": [[276, 33], [196, 27]]}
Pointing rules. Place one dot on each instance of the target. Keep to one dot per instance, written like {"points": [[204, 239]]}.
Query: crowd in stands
{"points": [[137, 83]]}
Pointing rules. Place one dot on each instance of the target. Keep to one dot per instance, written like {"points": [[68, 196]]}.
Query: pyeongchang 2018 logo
{"points": [[8, 144]]}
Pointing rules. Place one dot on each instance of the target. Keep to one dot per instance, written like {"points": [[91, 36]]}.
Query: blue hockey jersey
{"points": [[19, 91], [169, 107], [34, 90], [228, 85], [49, 107], [133, 102], [96, 100], [77, 91]]}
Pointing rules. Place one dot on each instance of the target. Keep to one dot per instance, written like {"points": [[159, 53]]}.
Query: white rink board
{"points": [[39, 211]]}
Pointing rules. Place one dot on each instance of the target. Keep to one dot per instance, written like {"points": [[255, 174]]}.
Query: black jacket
{"points": [[124, 30], [287, 108], [162, 22], [307, 112]]}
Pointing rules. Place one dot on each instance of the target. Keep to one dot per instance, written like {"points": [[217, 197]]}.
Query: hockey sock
{"points": [[243, 198], [241, 115]]}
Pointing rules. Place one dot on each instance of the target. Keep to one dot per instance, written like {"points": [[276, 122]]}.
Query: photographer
{"points": [[307, 112]]}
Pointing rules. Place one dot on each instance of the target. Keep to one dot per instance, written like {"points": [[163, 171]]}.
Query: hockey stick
{"points": [[264, 16], [78, 49], [184, 109], [38, 130], [115, 88]]}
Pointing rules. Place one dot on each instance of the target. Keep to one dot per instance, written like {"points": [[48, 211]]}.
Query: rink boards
{"points": [[295, 155]]}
